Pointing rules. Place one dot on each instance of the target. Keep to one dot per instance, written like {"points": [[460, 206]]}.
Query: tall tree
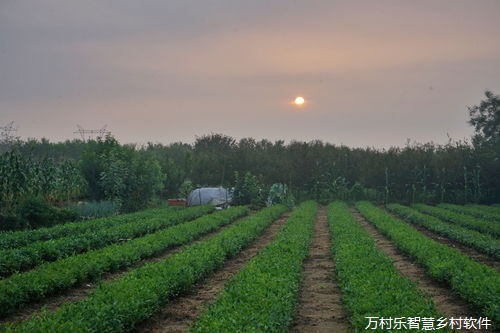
{"points": [[485, 118]]}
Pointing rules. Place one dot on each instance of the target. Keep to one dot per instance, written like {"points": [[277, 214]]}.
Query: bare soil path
{"points": [[447, 303], [53, 302], [320, 306], [465, 250], [179, 314]]}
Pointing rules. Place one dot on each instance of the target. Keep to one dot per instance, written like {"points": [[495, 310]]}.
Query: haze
{"points": [[374, 73]]}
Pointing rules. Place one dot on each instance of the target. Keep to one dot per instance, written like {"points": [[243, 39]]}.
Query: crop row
{"points": [[119, 305], [476, 283], [14, 239], [494, 209], [466, 221], [371, 285], [262, 296], [482, 242], [23, 258], [473, 211], [63, 274]]}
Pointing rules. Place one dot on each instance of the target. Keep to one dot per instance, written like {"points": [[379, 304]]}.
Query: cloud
{"points": [[145, 67]]}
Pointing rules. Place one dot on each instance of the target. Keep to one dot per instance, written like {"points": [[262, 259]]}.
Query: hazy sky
{"points": [[373, 72]]}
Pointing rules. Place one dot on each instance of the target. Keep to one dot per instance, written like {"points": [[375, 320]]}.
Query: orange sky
{"points": [[373, 72]]}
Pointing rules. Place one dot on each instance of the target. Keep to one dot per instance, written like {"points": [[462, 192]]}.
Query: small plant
{"points": [[279, 194], [97, 209]]}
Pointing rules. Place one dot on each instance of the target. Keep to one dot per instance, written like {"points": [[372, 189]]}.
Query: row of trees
{"points": [[104, 169]]}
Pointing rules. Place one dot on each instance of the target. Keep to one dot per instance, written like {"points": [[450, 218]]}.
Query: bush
{"points": [[97, 209], [37, 213], [248, 190], [12, 222]]}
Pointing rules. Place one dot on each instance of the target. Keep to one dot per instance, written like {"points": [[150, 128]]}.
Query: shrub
{"points": [[97, 209]]}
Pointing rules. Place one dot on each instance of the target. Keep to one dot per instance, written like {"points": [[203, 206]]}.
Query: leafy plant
{"points": [[466, 221], [29, 256], [482, 242], [262, 297], [15, 239], [248, 190], [371, 285], [63, 274], [477, 283], [119, 305]]}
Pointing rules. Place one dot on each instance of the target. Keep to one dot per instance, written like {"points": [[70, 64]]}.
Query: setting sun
{"points": [[299, 100]]}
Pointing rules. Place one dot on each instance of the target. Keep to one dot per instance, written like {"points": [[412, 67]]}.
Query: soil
{"points": [[465, 250], [179, 314], [447, 303], [53, 302], [320, 306]]}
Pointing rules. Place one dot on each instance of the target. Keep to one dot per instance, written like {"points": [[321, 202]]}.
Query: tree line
{"points": [[133, 176]]}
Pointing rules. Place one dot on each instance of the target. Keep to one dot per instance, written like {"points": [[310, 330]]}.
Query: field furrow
{"points": [[494, 209], [371, 286], [446, 302], [15, 239], [481, 242], [64, 274], [476, 283], [119, 305], [181, 313], [320, 307], [481, 212], [262, 297], [469, 222], [24, 258]]}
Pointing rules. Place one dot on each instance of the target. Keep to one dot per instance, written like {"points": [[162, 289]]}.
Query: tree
{"points": [[248, 190], [485, 118], [213, 160]]}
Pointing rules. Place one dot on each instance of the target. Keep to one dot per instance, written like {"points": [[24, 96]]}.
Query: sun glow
{"points": [[299, 100]]}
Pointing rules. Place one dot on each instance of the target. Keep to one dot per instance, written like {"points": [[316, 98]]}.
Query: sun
{"points": [[299, 100]]}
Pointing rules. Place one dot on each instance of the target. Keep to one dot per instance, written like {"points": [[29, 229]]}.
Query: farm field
{"points": [[249, 166], [334, 268]]}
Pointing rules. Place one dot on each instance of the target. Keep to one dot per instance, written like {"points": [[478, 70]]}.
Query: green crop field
{"points": [[170, 252], [249, 166]]}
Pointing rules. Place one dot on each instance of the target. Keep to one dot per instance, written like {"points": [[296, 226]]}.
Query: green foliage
{"points": [[118, 305], [482, 242], [63, 274], [485, 118], [279, 194], [14, 260], [186, 188], [34, 213], [248, 190], [121, 174], [466, 221], [371, 285], [483, 211], [38, 213], [176, 162], [97, 209], [10, 221], [262, 296], [477, 283], [23, 178], [14, 239], [213, 158]]}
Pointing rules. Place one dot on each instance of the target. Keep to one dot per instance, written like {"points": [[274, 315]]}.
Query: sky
{"points": [[373, 73]]}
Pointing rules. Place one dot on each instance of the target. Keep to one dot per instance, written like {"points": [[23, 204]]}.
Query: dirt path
{"points": [[447, 303], [181, 313], [53, 302], [465, 250], [320, 306]]}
